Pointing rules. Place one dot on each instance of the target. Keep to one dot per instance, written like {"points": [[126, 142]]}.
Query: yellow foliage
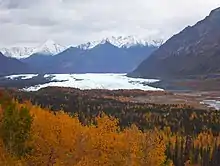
{"points": [[59, 139]]}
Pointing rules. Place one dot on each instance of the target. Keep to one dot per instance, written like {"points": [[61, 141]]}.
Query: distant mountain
{"points": [[194, 51], [104, 57], [12, 66], [123, 42], [48, 48]]}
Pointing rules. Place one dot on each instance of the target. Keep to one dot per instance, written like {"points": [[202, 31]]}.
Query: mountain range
{"points": [[195, 51], [110, 55], [103, 58], [48, 48], [123, 42]]}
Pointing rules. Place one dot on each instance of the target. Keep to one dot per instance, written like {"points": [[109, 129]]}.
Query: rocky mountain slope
{"points": [[194, 51]]}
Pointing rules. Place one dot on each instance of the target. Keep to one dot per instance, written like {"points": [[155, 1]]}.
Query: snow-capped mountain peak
{"points": [[88, 45], [121, 41], [17, 52], [52, 48], [48, 48]]}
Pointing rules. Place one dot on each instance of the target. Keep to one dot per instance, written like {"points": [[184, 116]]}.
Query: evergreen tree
{"points": [[15, 129]]}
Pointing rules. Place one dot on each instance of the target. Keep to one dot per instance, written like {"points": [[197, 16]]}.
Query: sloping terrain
{"points": [[12, 66], [194, 51]]}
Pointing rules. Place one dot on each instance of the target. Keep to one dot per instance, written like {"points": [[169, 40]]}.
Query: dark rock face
{"points": [[194, 51], [104, 58], [12, 66]]}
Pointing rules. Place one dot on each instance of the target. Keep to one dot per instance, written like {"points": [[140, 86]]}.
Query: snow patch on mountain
{"points": [[48, 48], [17, 52], [51, 48], [121, 42]]}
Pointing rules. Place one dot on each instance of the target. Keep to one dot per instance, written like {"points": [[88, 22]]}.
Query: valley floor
{"points": [[197, 92], [200, 92], [200, 99]]}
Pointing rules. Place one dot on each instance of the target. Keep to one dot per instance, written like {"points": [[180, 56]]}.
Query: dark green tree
{"points": [[15, 129]]}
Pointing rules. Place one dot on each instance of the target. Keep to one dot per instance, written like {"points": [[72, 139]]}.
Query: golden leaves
{"points": [[58, 139]]}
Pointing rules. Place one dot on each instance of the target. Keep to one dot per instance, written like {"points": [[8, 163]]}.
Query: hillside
{"points": [[194, 51], [104, 128], [41, 137], [12, 66]]}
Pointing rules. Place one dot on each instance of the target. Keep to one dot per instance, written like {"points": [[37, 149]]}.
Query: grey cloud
{"points": [[17, 4], [77, 21], [28, 20]]}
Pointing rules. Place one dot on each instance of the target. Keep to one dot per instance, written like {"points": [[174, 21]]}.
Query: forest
{"points": [[63, 126]]}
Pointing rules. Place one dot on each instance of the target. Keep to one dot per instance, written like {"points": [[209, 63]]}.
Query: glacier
{"points": [[108, 81], [22, 76]]}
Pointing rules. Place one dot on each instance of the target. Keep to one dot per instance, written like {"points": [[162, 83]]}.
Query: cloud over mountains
{"points": [[30, 22]]}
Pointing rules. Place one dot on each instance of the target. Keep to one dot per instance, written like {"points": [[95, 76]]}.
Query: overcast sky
{"points": [[71, 22]]}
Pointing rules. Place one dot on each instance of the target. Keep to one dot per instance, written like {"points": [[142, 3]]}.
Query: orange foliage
{"points": [[59, 139]]}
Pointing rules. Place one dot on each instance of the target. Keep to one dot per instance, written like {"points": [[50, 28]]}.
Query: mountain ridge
{"points": [[122, 42], [193, 51], [47, 48], [51, 48]]}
